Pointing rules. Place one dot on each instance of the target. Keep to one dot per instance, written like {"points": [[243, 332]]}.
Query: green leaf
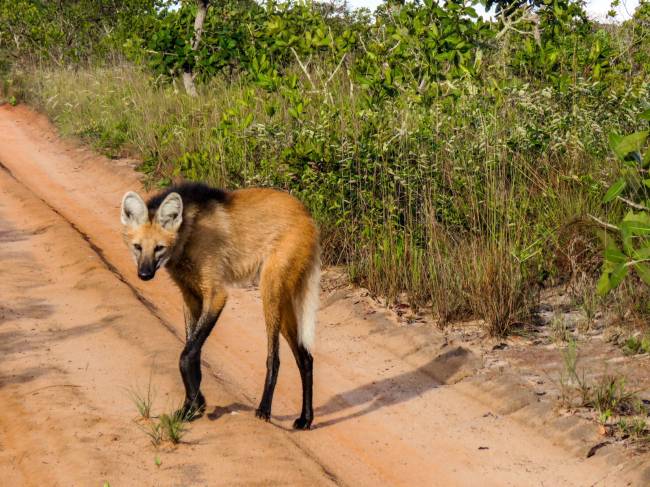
{"points": [[614, 140], [615, 190], [637, 226], [640, 216], [645, 115], [618, 274], [609, 281], [613, 254], [629, 143], [643, 270], [642, 253], [603, 286]]}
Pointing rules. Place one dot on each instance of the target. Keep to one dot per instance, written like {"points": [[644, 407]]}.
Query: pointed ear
{"points": [[134, 210], [170, 214]]}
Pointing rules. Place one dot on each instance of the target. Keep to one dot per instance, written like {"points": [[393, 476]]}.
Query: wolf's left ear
{"points": [[134, 210], [170, 213]]}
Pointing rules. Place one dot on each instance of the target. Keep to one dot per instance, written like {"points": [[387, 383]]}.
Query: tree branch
{"points": [[304, 69], [603, 224], [633, 204]]}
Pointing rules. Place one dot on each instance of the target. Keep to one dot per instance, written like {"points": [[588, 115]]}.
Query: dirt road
{"points": [[77, 330]]}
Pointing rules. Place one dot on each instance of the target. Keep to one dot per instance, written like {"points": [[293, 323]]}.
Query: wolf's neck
{"points": [[184, 234]]}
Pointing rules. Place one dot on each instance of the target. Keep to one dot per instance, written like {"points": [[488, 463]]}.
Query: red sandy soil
{"points": [[395, 404]]}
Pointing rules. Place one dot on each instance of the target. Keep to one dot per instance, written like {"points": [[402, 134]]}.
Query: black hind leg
{"points": [[305, 363], [272, 367]]}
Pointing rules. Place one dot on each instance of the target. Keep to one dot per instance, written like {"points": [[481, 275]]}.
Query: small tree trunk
{"points": [[188, 75], [188, 82]]}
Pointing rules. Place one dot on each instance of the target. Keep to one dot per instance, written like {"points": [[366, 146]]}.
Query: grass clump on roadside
{"points": [[619, 410], [636, 345]]}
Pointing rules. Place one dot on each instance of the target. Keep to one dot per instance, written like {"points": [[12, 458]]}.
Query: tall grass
{"points": [[457, 203]]}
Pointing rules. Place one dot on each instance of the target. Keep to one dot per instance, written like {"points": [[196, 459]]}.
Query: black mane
{"points": [[192, 194]]}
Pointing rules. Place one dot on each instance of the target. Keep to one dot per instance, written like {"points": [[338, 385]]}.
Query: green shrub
{"points": [[442, 155]]}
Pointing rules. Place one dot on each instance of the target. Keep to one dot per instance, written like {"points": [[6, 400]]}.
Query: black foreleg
{"points": [[190, 363]]}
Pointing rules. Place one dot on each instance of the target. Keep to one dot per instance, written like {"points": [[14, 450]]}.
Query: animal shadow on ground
{"points": [[220, 411], [393, 390]]}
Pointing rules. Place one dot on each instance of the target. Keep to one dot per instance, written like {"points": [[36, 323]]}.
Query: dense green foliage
{"points": [[444, 156], [68, 31], [633, 232]]}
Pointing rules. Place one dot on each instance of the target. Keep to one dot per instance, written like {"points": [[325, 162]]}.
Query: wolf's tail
{"points": [[305, 303]]}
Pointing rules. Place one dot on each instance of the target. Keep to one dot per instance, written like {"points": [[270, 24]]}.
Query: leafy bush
{"points": [[441, 154], [631, 248], [68, 31]]}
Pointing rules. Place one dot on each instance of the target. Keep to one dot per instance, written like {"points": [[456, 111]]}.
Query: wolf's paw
{"points": [[192, 410], [263, 413], [302, 423]]}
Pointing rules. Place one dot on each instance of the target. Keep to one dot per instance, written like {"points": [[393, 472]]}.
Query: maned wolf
{"points": [[209, 239]]}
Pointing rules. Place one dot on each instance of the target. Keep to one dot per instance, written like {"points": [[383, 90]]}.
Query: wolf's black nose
{"points": [[145, 275]]}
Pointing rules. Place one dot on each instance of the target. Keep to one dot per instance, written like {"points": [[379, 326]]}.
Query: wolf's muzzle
{"points": [[146, 271]]}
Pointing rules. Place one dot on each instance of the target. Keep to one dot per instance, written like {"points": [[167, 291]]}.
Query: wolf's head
{"points": [[151, 237]]}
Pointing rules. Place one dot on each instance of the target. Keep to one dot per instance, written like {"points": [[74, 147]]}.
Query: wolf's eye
{"points": [[159, 248], [137, 247]]}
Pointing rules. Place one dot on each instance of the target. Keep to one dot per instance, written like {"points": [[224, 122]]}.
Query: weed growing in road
{"points": [[144, 400], [173, 426], [168, 427], [153, 429]]}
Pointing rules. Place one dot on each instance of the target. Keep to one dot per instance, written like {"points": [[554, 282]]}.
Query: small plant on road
{"points": [[143, 401], [154, 431], [168, 427], [173, 426]]}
